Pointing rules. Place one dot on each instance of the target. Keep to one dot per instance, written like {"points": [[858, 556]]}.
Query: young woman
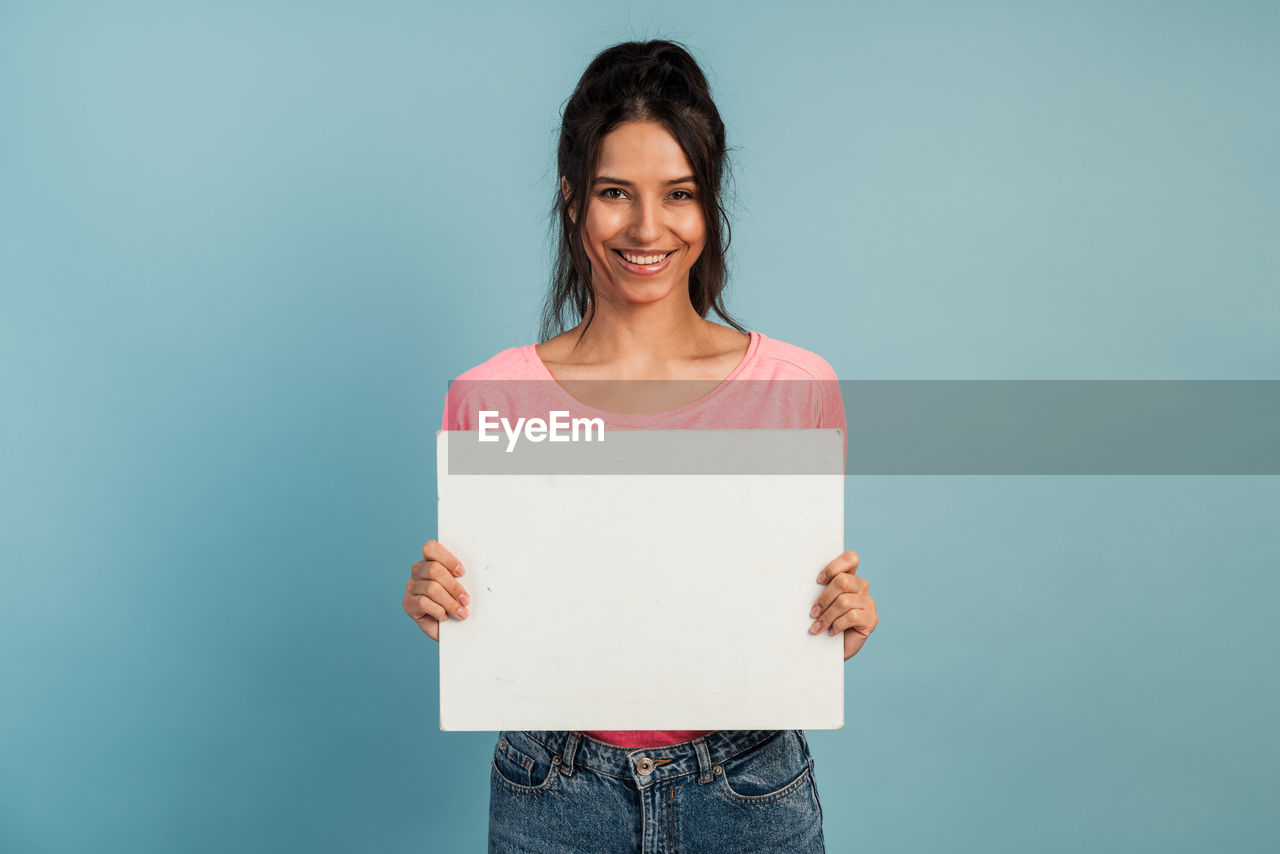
{"points": [[641, 263]]}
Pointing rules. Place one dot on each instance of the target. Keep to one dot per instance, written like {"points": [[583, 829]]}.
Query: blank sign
{"points": [[638, 601]]}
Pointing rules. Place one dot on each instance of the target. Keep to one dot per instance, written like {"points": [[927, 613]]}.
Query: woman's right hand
{"points": [[433, 591]]}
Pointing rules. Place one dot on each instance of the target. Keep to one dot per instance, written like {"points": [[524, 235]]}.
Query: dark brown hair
{"points": [[650, 81]]}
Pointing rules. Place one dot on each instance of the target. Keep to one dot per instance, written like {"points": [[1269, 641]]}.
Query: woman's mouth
{"points": [[643, 264]]}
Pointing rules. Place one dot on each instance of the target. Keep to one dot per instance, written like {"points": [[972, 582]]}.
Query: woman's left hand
{"points": [[845, 605]]}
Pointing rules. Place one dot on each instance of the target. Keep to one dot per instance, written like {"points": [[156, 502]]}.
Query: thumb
{"points": [[853, 641]]}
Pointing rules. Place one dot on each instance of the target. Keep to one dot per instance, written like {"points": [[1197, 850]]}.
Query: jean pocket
{"points": [[767, 772], [522, 764]]}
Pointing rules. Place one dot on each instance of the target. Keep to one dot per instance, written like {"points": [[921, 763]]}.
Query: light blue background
{"points": [[244, 246]]}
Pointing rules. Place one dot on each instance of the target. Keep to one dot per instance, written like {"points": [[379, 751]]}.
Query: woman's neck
{"points": [[640, 339], [678, 359], [648, 342]]}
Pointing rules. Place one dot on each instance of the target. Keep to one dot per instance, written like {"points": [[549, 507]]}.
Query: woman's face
{"points": [[644, 225]]}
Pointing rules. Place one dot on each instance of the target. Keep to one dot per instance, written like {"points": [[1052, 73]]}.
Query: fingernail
{"points": [[464, 599], [814, 628], [822, 578], [462, 612], [831, 631], [459, 570], [816, 612]]}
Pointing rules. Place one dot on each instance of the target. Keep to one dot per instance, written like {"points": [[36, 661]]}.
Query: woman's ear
{"points": [[567, 192]]}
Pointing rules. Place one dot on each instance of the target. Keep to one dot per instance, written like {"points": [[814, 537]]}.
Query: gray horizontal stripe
{"points": [[953, 427]]}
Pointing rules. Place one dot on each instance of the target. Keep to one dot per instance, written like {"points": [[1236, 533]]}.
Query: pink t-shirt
{"points": [[776, 385]]}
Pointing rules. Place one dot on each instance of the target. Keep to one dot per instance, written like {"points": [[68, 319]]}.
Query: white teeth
{"points": [[643, 260]]}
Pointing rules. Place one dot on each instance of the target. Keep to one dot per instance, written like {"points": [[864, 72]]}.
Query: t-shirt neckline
{"points": [[531, 353]]}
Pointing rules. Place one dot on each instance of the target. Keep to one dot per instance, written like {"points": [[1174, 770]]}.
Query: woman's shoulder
{"points": [[504, 382], [776, 359], [512, 363]]}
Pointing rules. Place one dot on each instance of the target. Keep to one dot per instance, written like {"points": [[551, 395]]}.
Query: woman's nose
{"points": [[646, 223]]}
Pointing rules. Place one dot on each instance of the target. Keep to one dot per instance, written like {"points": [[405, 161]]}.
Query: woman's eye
{"points": [[619, 193]]}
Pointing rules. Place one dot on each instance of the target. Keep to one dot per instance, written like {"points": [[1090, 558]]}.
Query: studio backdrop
{"points": [[245, 246]]}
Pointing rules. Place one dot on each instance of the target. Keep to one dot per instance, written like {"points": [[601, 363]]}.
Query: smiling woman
{"points": [[643, 224], [640, 265], [643, 140]]}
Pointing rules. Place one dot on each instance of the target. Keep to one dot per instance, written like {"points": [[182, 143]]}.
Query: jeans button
{"points": [[644, 765]]}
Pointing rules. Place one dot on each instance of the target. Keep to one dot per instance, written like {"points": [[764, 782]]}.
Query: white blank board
{"points": [[643, 601]]}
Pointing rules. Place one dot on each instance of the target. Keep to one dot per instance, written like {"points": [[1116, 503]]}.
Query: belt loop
{"points": [[570, 748], [704, 760]]}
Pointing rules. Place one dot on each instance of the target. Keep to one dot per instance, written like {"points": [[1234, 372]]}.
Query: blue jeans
{"points": [[732, 791]]}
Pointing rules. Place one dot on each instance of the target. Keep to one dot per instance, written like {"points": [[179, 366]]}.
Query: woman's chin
{"points": [[639, 301], [642, 293]]}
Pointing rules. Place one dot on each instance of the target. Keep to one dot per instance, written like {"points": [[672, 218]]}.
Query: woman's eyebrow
{"points": [[603, 179]]}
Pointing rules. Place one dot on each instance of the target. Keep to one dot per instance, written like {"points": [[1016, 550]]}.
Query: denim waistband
{"points": [[646, 765]]}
